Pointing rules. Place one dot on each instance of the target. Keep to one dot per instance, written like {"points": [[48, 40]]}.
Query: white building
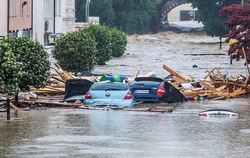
{"points": [[3, 18], [184, 12], [184, 18], [51, 18]]}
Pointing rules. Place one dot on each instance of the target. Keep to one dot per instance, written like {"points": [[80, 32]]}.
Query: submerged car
{"points": [[219, 113], [109, 94], [153, 89]]}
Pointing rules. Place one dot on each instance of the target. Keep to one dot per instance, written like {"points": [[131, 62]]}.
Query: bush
{"points": [[76, 52], [119, 42], [10, 69], [102, 36], [34, 60]]}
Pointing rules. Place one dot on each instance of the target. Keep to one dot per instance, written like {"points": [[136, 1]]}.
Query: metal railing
{"points": [[7, 102]]}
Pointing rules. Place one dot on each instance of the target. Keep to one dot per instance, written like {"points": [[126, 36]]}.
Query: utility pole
{"points": [[87, 11]]}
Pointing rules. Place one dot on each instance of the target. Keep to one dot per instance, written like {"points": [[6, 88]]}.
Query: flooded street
{"points": [[149, 52], [123, 134], [120, 134]]}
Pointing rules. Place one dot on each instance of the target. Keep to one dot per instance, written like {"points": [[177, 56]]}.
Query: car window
{"points": [[109, 86], [147, 82], [155, 79]]}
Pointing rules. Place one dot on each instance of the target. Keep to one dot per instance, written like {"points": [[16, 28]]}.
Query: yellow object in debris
{"points": [[233, 41]]}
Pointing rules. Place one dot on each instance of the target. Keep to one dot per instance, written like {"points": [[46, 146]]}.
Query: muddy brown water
{"points": [[122, 134]]}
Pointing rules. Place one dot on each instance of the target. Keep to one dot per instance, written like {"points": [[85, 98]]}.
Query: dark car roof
{"points": [[156, 79], [76, 87]]}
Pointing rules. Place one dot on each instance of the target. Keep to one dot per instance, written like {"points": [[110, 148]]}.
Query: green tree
{"points": [[102, 9], [35, 64], [80, 10], [119, 42], [102, 37], [76, 51], [10, 69], [135, 16], [129, 16], [209, 15]]}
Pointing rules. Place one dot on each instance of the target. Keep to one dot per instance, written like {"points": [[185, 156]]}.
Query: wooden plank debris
{"points": [[172, 72], [215, 85]]}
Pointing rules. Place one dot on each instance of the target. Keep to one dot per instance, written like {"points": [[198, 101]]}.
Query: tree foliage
{"points": [[34, 62], [76, 52], [102, 37], [208, 14], [119, 42], [10, 69], [102, 8], [239, 23], [129, 16]]}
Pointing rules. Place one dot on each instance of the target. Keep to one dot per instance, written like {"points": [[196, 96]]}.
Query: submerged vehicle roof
{"points": [[156, 79]]}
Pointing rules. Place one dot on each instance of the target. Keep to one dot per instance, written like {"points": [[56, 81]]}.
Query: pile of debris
{"points": [[56, 83], [215, 85]]}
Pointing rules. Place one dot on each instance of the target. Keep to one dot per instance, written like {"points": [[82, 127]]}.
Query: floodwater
{"points": [[149, 52], [121, 134]]}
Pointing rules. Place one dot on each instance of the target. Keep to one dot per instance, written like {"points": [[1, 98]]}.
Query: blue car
{"points": [[153, 89], [148, 89], [109, 94]]}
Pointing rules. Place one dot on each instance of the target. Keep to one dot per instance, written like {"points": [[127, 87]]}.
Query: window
{"points": [[109, 86], [13, 34], [188, 15], [26, 33], [12, 9], [24, 8]]}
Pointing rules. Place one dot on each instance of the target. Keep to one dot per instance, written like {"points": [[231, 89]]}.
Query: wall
{"points": [[44, 11], [3, 17], [22, 19], [38, 20], [49, 14], [68, 15], [174, 15]]}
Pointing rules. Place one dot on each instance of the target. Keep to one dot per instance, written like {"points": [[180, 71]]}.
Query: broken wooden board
{"points": [[172, 72], [150, 74]]}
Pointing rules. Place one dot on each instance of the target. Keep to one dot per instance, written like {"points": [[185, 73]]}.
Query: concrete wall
{"points": [[68, 15], [49, 14], [3, 17], [43, 11], [174, 15], [38, 21]]}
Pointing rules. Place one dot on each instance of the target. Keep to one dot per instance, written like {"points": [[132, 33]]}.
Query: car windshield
{"points": [[109, 86]]}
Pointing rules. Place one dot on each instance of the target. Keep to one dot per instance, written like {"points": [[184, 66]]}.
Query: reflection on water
{"points": [[107, 134]]}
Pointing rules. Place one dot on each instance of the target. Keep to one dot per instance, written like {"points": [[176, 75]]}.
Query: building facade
{"points": [[53, 18], [184, 12], [42, 20], [16, 18]]}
